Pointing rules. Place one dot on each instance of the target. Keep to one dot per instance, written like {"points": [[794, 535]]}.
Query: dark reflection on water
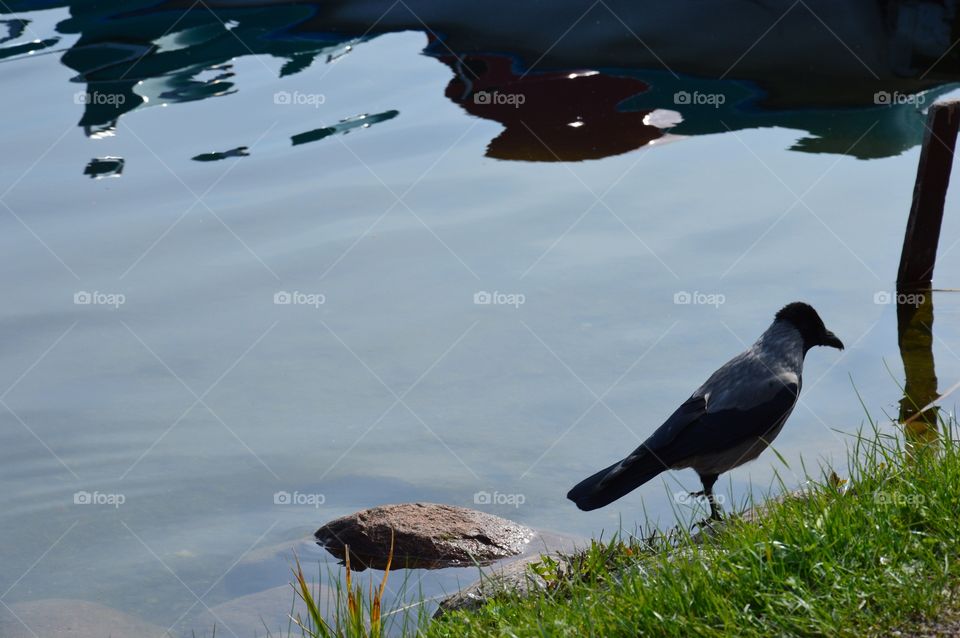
{"points": [[915, 338], [344, 126], [854, 75], [101, 167], [15, 31], [240, 151], [555, 116]]}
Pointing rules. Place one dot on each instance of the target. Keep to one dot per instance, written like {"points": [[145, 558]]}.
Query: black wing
{"points": [[715, 432]]}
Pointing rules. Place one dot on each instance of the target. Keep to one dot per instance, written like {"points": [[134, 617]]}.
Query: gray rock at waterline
{"points": [[513, 577], [426, 536]]}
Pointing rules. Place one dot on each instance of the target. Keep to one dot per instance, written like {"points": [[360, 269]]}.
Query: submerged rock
{"points": [[515, 577], [426, 536]]}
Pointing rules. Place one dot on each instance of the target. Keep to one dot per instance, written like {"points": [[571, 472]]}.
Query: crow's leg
{"points": [[708, 481]]}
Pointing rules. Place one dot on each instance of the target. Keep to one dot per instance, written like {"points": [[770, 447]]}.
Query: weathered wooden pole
{"points": [[919, 254]]}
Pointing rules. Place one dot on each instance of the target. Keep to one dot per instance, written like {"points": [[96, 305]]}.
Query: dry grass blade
{"points": [[932, 403], [351, 596], [357, 615], [377, 601]]}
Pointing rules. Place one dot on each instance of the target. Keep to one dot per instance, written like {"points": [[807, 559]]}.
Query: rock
{"points": [[426, 536], [514, 577]]}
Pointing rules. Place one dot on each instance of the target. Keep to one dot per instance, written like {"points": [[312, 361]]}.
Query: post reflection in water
{"points": [[915, 338]]}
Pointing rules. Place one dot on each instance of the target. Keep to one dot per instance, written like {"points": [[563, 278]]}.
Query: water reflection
{"points": [[344, 126], [101, 167], [855, 76], [240, 151], [560, 116], [915, 338], [16, 30]]}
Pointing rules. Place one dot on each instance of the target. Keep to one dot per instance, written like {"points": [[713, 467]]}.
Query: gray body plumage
{"points": [[729, 420], [754, 377]]}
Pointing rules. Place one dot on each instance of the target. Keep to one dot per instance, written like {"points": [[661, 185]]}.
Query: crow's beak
{"points": [[830, 339]]}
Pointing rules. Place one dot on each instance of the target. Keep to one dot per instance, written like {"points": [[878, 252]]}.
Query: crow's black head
{"points": [[806, 320]]}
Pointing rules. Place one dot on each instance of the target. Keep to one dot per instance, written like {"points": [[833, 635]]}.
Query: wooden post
{"points": [[929, 194]]}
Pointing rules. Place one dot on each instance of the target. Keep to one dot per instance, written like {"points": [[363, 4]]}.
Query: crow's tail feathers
{"points": [[611, 483]]}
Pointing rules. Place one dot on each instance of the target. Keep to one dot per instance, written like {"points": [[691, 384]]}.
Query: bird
{"points": [[727, 421]]}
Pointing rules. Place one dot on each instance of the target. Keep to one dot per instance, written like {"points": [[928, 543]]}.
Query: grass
{"points": [[855, 558], [351, 616], [352, 613], [863, 556]]}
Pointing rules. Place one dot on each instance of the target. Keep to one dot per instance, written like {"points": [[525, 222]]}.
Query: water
{"points": [[336, 167]]}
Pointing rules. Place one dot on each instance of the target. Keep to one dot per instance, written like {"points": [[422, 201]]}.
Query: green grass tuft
{"points": [[352, 612]]}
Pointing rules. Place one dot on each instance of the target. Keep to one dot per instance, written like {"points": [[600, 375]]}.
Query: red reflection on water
{"points": [[549, 117]]}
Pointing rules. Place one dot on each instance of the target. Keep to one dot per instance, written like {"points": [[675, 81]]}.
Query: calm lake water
{"points": [[267, 266]]}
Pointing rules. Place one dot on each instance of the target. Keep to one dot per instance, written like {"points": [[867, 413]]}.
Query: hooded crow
{"points": [[728, 420]]}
